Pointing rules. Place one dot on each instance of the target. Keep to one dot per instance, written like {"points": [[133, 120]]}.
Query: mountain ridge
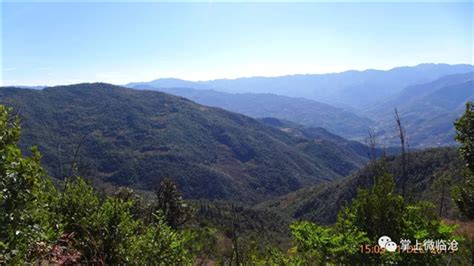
{"points": [[258, 105], [425, 170], [136, 138], [427, 110], [358, 89]]}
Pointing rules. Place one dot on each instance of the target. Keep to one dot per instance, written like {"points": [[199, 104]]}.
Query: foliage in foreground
{"points": [[374, 213], [41, 223], [464, 195]]}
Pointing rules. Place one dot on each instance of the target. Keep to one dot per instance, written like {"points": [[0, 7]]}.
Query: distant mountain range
{"points": [[429, 98], [358, 89], [137, 138], [428, 110], [258, 105]]}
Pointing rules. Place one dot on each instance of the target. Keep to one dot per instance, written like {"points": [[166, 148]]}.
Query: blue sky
{"points": [[63, 43]]}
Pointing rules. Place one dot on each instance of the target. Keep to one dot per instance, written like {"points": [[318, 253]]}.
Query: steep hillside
{"points": [[321, 203], [130, 137], [299, 110], [326, 145], [358, 89], [427, 110]]}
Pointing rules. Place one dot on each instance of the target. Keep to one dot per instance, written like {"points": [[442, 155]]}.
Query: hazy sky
{"points": [[62, 43]]}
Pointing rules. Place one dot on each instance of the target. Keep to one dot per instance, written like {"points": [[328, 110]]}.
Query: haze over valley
{"points": [[348, 103]]}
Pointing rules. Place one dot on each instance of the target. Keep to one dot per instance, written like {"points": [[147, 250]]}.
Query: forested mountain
{"points": [[327, 146], [429, 173], [299, 110], [427, 110], [137, 138], [358, 89]]}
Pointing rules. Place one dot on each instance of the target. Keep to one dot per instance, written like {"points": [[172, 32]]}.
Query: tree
{"points": [[320, 244], [203, 242], [465, 136], [27, 196], [441, 185], [108, 231], [159, 244], [170, 202], [402, 137], [375, 212], [464, 195], [40, 224]]}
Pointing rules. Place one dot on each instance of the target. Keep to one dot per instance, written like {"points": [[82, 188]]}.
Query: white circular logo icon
{"points": [[391, 246], [383, 240]]}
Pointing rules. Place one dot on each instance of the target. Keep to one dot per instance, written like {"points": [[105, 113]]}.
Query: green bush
{"points": [[39, 223]]}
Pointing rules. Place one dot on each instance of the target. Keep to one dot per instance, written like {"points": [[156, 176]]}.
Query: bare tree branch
{"points": [[76, 153], [401, 136], [371, 145]]}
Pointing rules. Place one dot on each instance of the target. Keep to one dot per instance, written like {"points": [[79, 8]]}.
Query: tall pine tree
{"points": [[464, 194]]}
